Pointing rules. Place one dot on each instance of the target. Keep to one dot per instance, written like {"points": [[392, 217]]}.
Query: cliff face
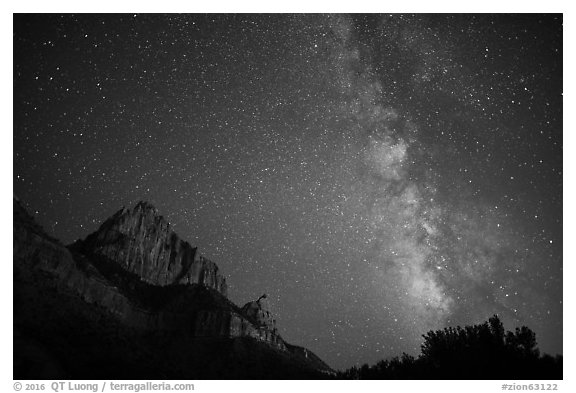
{"points": [[44, 261], [259, 312], [44, 265], [133, 277], [142, 242]]}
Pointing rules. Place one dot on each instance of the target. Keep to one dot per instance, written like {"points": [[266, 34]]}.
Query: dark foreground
{"points": [[483, 351]]}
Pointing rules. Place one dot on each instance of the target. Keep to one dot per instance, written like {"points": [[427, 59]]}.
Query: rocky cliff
{"points": [[259, 312], [142, 242], [131, 290]]}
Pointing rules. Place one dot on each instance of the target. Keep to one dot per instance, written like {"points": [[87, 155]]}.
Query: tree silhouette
{"points": [[483, 351]]}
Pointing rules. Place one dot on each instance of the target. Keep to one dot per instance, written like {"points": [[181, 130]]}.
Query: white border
{"points": [[261, 6]]}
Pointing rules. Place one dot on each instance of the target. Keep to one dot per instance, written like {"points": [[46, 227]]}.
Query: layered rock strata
{"points": [[142, 242], [135, 267]]}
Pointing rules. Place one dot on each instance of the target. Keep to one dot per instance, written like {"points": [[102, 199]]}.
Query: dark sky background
{"points": [[377, 176]]}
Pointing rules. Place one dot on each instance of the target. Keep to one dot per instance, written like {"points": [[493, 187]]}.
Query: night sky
{"points": [[377, 176]]}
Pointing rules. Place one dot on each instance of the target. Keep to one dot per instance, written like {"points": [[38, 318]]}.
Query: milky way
{"points": [[377, 176]]}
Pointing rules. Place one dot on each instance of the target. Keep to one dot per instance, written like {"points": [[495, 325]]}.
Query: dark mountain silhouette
{"points": [[483, 351], [135, 301]]}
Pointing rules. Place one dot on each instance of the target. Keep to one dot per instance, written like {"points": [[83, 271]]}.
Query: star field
{"points": [[377, 176]]}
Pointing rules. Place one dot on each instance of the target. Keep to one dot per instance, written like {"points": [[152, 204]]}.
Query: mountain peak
{"points": [[196, 323], [142, 242], [141, 208], [259, 312], [144, 205]]}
